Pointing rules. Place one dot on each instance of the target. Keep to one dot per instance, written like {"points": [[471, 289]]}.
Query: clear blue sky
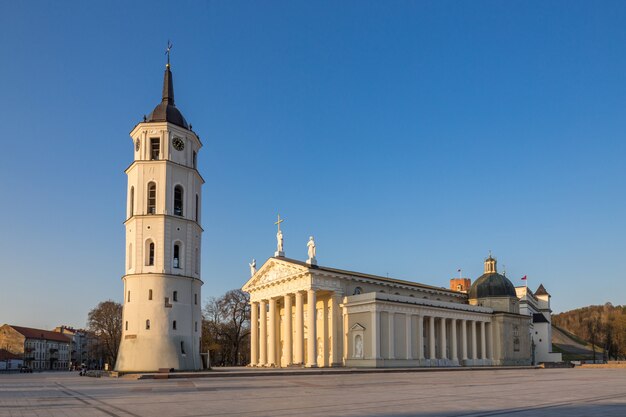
{"points": [[409, 137]]}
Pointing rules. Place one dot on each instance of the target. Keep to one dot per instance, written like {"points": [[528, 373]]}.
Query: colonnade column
{"points": [[335, 334], [254, 333], [431, 338], [375, 334], [420, 337], [271, 354], [490, 344], [474, 352], [263, 334], [483, 344], [444, 339], [392, 328], [312, 334], [299, 348], [408, 325], [454, 355], [464, 339], [288, 331]]}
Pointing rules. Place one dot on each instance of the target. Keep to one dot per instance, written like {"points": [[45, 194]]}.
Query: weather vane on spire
{"points": [[167, 51]]}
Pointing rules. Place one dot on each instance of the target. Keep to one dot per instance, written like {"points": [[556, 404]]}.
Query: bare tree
{"points": [[226, 328], [105, 321]]}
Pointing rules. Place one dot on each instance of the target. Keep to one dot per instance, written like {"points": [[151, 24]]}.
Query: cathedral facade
{"points": [[162, 318], [315, 316]]}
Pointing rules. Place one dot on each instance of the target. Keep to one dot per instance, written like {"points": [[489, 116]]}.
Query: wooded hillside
{"points": [[603, 326]]}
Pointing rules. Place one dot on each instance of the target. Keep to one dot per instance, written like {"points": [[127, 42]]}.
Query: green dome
{"points": [[492, 285]]}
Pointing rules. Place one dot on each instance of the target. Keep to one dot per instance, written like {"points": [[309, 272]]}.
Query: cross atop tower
{"points": [[167, 52]]}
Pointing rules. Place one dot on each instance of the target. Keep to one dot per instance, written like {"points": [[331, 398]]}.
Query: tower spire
{"points": [[168, 81]]}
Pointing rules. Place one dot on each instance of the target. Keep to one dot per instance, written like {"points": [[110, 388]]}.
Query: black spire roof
{"points": [[166, 110]]}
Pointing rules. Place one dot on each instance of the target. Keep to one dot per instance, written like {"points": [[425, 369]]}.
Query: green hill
{"points": [[575, 332]]}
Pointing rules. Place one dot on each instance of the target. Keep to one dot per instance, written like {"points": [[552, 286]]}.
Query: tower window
{"points": [[148, 324], [175, 296], [182, 347], [132, 201], [155, 145], [196, 326], [126, 326], [151, 198], [128, 297], [130, 256], [195, 299], [197, 207], [174, 325], [195, 159], [176, 256], [150, 254], [178, 200], [149, 294]]}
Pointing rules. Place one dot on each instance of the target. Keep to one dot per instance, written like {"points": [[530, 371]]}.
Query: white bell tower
{"points": [[162, 320]]}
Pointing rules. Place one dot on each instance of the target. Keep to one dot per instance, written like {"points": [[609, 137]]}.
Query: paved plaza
{"points": [[524, 392]]}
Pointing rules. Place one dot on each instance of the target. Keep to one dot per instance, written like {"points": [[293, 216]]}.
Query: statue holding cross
{"points": [[279, 238]]}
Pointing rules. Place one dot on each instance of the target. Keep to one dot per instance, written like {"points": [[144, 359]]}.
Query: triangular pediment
{"points": [[273, 270], [357, 327]]}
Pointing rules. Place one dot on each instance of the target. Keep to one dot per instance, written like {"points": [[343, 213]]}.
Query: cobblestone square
{"points": [[529, 392]]}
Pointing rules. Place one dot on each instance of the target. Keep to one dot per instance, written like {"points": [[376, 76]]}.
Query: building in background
{"points": [[10, 361], [537, 306], [40, 349], [81, 351]]}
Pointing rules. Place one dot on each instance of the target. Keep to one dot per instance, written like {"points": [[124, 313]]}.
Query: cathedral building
{"points": [[162, 319], [307, 315]]}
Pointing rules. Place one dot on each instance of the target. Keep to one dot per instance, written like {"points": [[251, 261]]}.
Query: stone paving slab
{"points": [[473, 393]]}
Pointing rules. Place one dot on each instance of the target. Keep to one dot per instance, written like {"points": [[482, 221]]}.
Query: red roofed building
{"points": [[40, 349]]}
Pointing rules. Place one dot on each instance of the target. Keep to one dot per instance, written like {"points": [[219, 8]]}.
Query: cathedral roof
{"points": [[492, 284], [166, 110]]}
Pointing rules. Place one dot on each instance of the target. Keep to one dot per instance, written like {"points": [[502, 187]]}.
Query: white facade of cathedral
{"points": [[314, 316], [162, 319]]}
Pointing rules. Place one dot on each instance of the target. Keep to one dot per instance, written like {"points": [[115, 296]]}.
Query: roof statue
{"points": [[311, 250], [279, 238], [252, 267]]}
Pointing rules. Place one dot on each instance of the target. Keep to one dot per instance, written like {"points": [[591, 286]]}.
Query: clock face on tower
{"points": [[137, 144], [178, 144]]}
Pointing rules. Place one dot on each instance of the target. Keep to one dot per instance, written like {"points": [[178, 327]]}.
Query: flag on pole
{"points": [[524, 278]]}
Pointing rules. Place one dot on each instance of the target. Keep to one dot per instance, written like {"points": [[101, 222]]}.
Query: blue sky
{"points": [[410, 138]]}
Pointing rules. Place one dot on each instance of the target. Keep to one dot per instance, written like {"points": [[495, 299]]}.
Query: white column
{"points": [[271, 344], [408, 323], [392, 330], [490, 344], [322, 334], [299, 348], [455, 356], [335, 333], [254, 333], [345, 336], [375, 334], [263, 334], [444, 340], [312, 334], [483, 344], [474, 350], [288, 331], [431, 338], [464, 340], [420, 337]]}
